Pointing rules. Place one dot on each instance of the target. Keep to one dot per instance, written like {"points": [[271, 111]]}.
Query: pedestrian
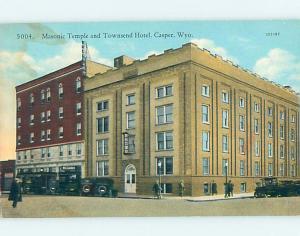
{"points": [[181, 188], [15, 194], [226, 185], [230, 188], [157, 190]]}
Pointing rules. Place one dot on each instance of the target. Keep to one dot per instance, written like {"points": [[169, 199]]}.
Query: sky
{"points": [[270, 48]]}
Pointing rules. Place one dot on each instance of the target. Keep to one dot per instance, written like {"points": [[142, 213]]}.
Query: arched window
{"points": [[78, 85], [31, 99], [48, 95], [42, 95], [60, 90]]}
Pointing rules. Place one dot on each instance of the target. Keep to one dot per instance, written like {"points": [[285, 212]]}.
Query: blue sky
{"points": [[244, 42]]}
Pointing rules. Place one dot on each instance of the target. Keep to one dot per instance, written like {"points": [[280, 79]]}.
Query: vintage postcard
{"points": [[150, 118]]}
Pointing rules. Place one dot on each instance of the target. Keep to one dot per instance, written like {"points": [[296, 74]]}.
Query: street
{"points": [[75, 206]]}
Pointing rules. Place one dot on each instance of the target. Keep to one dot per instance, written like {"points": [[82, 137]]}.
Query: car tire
{"points": [[102, 190]]}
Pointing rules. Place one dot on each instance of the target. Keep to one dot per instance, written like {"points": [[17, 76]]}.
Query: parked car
{"points": [[103, 187]]}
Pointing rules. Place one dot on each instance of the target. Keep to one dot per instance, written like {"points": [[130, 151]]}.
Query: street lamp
{"points": [[226, 170], [159, 174]]}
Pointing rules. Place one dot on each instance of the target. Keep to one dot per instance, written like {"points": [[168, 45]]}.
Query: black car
{"points": [[103, 187]]}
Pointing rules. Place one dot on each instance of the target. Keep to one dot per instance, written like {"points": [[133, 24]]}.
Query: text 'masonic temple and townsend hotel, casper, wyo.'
{"points": [[185, 115]]}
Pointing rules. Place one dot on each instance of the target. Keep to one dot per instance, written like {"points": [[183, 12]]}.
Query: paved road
{"points": [[64, 206]]}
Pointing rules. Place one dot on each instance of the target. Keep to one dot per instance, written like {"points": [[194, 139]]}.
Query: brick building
{"points": [[188, 115], [50, 126], [7, 171]]}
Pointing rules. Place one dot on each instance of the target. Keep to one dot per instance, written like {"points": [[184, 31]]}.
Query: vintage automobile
{"points": [[103, 187], [271, 187]]}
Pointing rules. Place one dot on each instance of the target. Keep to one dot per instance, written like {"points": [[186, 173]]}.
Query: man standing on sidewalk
{"points": [[15, 193]]}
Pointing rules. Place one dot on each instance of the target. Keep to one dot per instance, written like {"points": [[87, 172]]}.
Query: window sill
{"points": [[164, 150], [164, 97], [166, 123]]}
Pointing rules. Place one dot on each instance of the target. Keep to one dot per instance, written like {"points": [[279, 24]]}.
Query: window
{"points": [[164, 91], [293, 170], [292, 135], [31, 139], [69, 150], [257, 151], [270, 111], [43, 151], [205, 141], [242, 146], [205, 114], [78, 108], [243, 187], [256, 168], [225, 97], [102, 106], [43, 117], [31, 119], [19, 140], [242, 123], [130, 116], [102, 147], [31, 99], [61, 132], [166, 165], [48, 95], [270, 150], [164, 114], [48, 115], [293, 118], [242, 168], [31, 155], [293, 153], [102, 124], [164, 140], [48, 152], [19, 122], [256, 107], [281, 150], [206, 188], [270, 169], [281, 131], [166, 188], [242, 102], [78, 129], [18, 104], [102, 168], [225, 122], [256, 126], [270, 129], [78, 85], [42, 95], [205, 166], [19, 156], [60, 91], [130, 99], [225, 143], [205, 90], [281, 115], [78, 149], [131, 143], [24, 155], [60, 112], [225, 167], [281, 169], [61, 151], [43, 135]]}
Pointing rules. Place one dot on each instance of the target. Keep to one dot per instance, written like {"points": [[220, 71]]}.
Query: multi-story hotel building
{"points": [[188, 115], [50, 126]]}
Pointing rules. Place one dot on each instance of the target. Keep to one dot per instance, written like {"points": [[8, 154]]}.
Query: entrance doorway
{"points": [[130, 179]]}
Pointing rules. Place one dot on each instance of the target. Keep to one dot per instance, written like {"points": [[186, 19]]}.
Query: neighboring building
{"points": [[7, 173], [197, 116], [50, 128]]}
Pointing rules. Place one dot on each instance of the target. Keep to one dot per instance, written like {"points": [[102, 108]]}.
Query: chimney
{"points": [[122, 61]]}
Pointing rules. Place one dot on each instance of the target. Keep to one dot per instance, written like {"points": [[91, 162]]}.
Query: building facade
{"points": [[50, 126], [7, 172], [188, 115]]}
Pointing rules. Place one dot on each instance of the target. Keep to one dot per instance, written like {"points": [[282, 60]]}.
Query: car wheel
{"points": [[102, 190]]}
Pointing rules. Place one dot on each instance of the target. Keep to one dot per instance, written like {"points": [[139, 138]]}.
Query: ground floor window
{"points": [[102, 168], [206, 188], [243, 187], [164, 165], [166, 188]]}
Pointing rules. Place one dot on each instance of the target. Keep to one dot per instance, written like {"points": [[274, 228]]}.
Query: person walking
{"points": [[15, 194], [157, 190]]}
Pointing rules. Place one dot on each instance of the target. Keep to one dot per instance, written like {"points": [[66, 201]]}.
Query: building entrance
{"points": [[130, 179]]}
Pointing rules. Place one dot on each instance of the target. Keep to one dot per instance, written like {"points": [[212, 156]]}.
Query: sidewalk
{"points": [[188, 198]]}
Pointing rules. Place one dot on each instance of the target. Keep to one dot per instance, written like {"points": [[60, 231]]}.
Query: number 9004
{"points": [[24, 36]]}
